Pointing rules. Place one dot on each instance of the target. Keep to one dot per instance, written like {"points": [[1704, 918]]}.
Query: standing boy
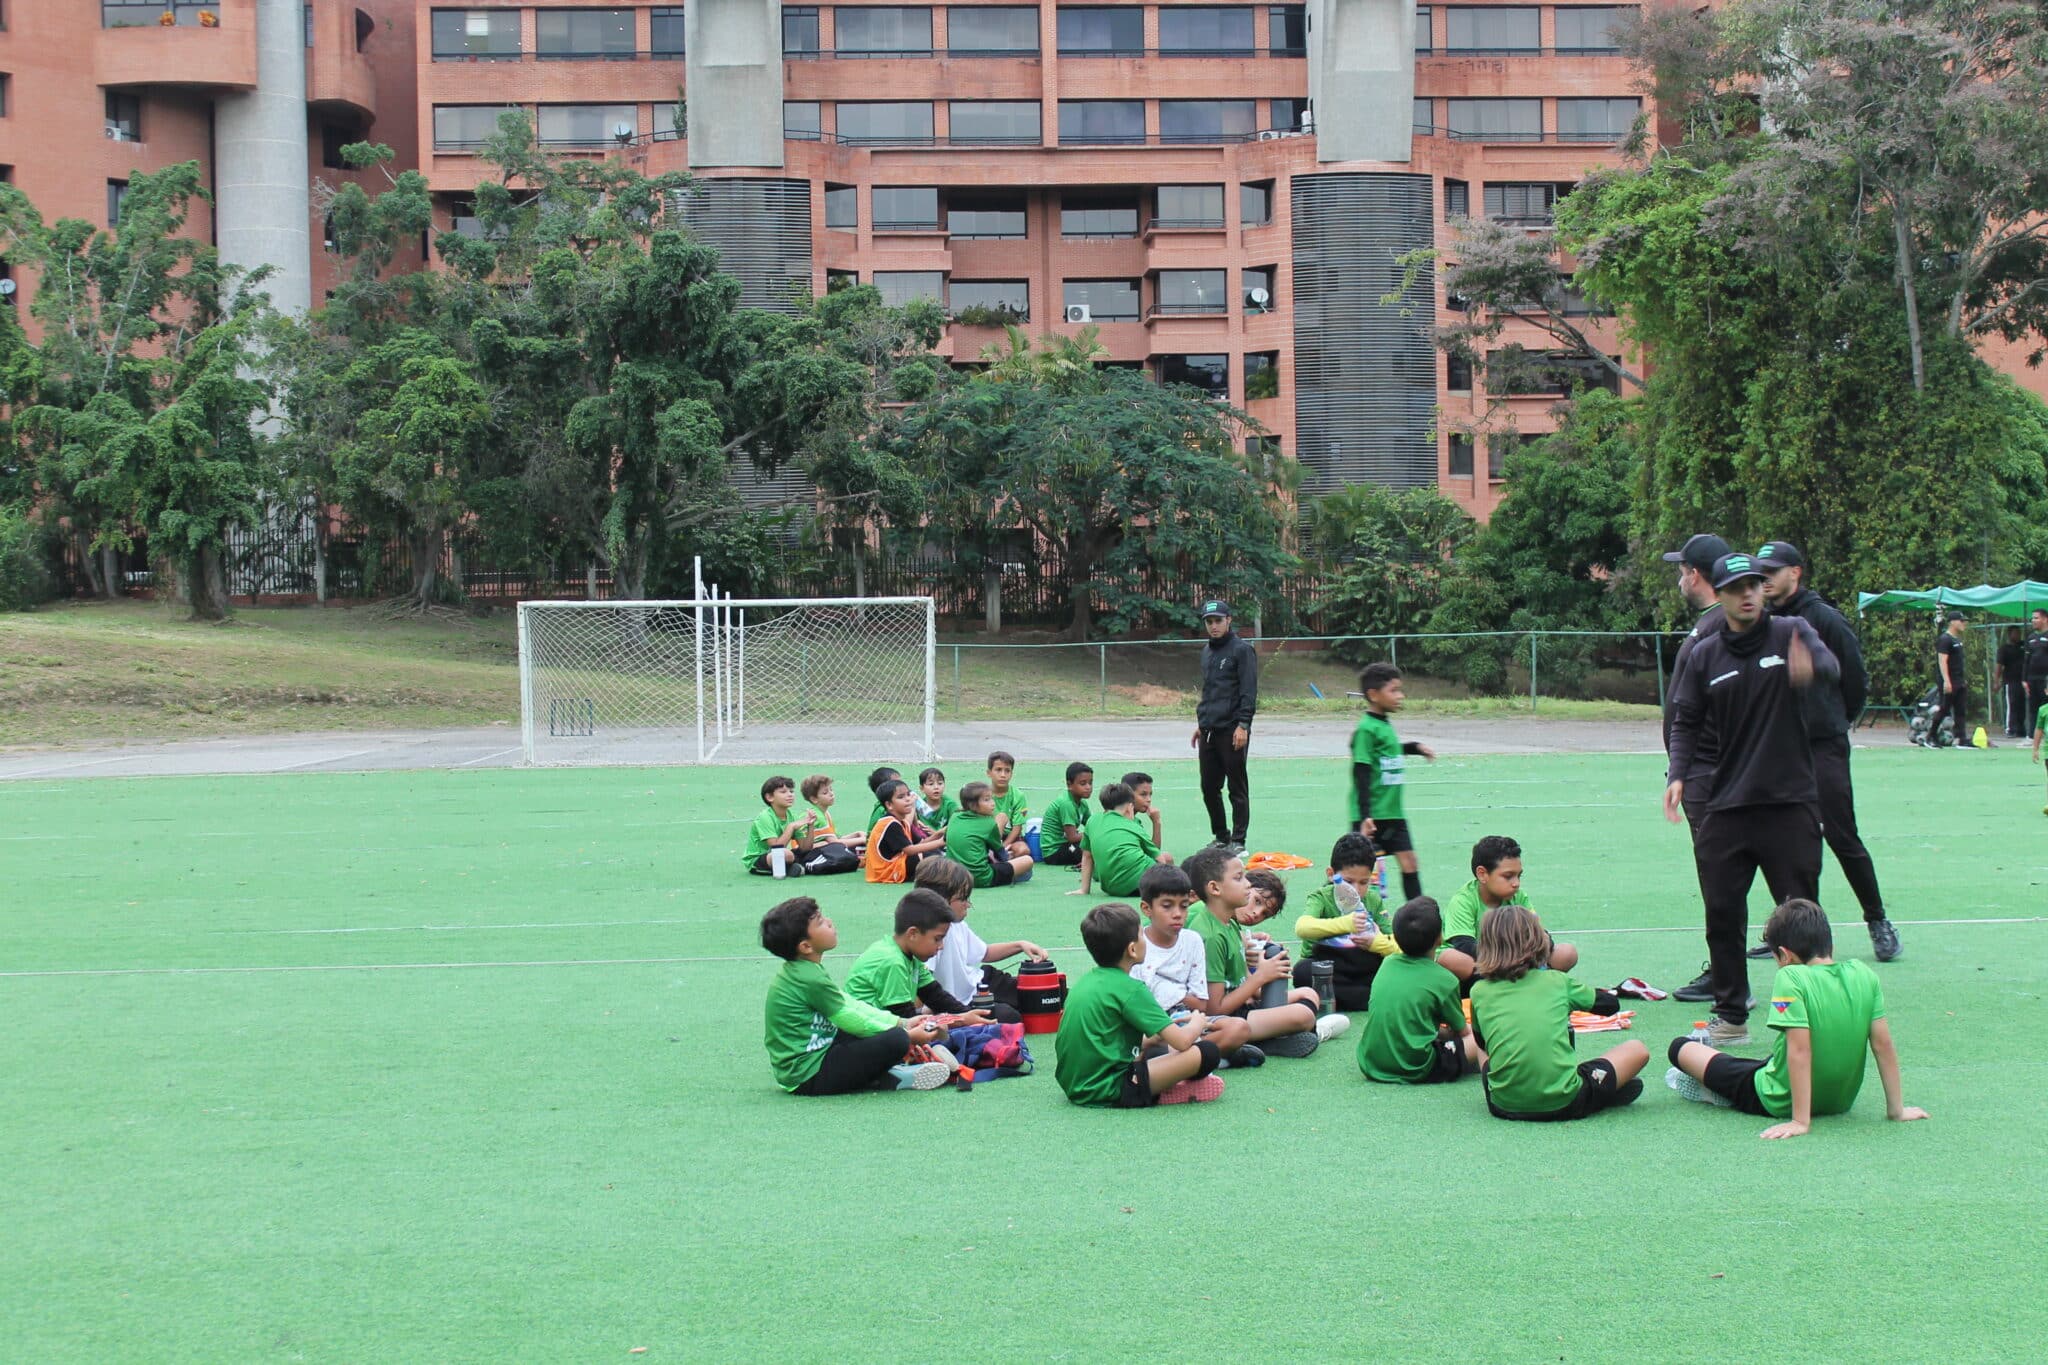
{"points": [[1114, 847], [778, 841], [821, 1043], [1216, 876], [1059, 833], [1110, 1016], [2040, 724], [1379, 773], [1415, 1033], [1223, 723], [1496, 880]]}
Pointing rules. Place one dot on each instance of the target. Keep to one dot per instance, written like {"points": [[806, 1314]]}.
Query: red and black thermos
{"points": [[1041, 996]]}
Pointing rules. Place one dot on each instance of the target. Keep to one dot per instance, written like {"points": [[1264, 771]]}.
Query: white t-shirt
{"points": [[1171, 974], [957, 965]]}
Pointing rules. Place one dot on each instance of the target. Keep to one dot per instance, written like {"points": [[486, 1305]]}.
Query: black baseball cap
{"points": [[1734, 568], [1215, 606], [1701, 552], [1780, 554]]}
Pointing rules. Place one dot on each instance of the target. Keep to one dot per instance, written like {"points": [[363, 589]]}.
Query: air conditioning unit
{"points": [[1079, 312], [1271, 134], [116, 133]]}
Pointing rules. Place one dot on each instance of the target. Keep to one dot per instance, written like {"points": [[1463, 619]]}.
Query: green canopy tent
{"points": [[2013, 603]]}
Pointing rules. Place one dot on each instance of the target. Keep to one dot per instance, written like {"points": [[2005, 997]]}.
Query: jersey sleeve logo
{"points": [[1782, 1003]]}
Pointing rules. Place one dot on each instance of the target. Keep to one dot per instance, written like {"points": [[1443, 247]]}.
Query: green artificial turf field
{"points": [[543, 1128]]}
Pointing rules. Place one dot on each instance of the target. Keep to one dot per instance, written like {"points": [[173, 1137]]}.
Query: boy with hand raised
{"points": [[1216, 877], [1116, 1046], [819, 1041]]}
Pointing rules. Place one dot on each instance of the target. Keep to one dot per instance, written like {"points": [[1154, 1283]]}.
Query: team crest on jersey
{"points": [[1771, 661], [1781, 1003]]}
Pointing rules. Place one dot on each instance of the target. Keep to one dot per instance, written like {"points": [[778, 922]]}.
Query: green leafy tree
{"points": [[1388, 553]]}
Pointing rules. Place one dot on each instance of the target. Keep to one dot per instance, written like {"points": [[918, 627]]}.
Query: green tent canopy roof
{"points": [[2014, 602]]}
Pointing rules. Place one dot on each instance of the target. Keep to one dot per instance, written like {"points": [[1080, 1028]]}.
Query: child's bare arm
{"points": [[1002, 952], [1799, 1063], [1087, 873], [1186, 1033], [1881, 1048]]}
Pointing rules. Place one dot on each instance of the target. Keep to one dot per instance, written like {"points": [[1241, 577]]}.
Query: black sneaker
{"points": [[1760, 950], [1884, 940], [1244, 1059], [1699, 989]]}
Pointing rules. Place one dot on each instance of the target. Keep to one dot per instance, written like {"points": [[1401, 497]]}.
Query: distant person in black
{"points": [[2036, 650], [1742, 686], [1949, 682], [1831, 713], [1223, 723], [2012, 681], [1695, 561]]}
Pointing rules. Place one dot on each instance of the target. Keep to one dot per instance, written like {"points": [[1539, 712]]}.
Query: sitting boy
{"points": [[1823, 1014], [1141, 795], [778, 842], [1176, 965], [1110, 1017], [974, 839], [1416, 1033], [1496, 880], [831, 851], [1059, 833], [820, 1042], [892, 973], [934, 808], [875, 781], [1269, 896], [893, 846], [1216, 877], [1013, 815], [965, 965], [1352, 942], [1114, 848]]}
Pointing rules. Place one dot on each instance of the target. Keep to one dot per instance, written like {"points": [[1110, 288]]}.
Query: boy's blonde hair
{"points": [[1512, 943], [814, 784]]}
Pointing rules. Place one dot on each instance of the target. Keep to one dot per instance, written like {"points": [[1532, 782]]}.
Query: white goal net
{"points": [[726, 680]]}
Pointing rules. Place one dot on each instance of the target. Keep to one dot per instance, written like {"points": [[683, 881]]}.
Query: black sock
{"points": [[1411, 885]]}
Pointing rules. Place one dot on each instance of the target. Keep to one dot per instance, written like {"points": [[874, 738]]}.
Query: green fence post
{"points": [[1532, 670], [956, 680], [1102, 652]]}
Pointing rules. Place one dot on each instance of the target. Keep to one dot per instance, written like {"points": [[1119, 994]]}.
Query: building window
{"points": [[117, 190], [989, 303], [881, 123], [995, 123], [334, 137], [1105, 300], [1257, 285], [563, 35], [665, 31], [881, 31], [7, 99], [899, 287], [1209, 373], [842, 207], [475, 35], [1091, 31], [149, 13], [459, 127], [1190, 206], [1502, 444], [1193, 292], [1461, 457], [1529, 204], [800, 31], [1288, 116], [998, 219], [1458, 379], [899, 208], [1457, 199], [1425, 116], [1083, 219], [1512, 120], [671, 121], [1102, 121], [800, 120], [1488, 28], [1425, 31], [991, 30], [1255, 203], [1204, 31], [1287, 30], [1606, 120], [587, 125], [1261, 375], [1207, 120], [1264, 451], [1590, 28], [124, 114], [838, 281]]}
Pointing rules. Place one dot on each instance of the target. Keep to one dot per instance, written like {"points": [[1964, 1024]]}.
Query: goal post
{"points": [[717, 679]]}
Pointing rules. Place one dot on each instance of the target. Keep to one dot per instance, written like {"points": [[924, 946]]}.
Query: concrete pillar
{"points": [[264, 207], [1361, 78], [733, 82]]}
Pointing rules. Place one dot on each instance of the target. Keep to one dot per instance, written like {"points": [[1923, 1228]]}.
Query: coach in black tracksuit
{"points": [[1223, 722], [1742, 684], [1831, 712], [1696, 585]]}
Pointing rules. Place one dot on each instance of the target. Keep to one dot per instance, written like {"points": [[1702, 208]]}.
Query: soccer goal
{"points": [[728, 680]]}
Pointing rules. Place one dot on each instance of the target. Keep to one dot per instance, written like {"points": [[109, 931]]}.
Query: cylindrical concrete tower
{"points": [[264, 207]]}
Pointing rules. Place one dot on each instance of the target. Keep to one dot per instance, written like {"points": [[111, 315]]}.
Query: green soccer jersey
{"points": [[885, 975], [1463, 913], [1375, 744], [1063, 811], [1319, 907], [969, 838], [1836, 1003], [1108, 1013], [877, 815], [1223, 944], [936, 818], [804, 1013], [1526, 1028], [767, 825], [1011, 804], [1411, 996], [1121, 849]]}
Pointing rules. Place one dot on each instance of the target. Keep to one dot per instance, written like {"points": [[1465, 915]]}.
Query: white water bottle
{"points": [[1349, 902]]}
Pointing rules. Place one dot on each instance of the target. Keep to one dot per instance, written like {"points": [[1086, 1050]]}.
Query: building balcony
{"points": [[338, 75], [189, 54]]}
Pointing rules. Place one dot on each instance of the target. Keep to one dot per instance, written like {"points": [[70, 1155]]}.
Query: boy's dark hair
{"points": [[971, 794], [1801, 928], [1352, 850], [928, 774], [1206, 865], [1512, 943], [814, 784], [938, 873], [1136, 780], [785, 927], [1270, 883], [922, 910], [1116, 794], [1074, 770], [999, 756], [1373, 677], [1494, 850], [1418, 925], [1163, 879], [775, 784], [890, 786], [879, 776], [1109, 930]]}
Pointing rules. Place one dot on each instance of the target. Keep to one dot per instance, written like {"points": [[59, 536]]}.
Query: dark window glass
{"points": [[1255, 203], [1425, 35], [587, 125], [1102, 121], [885, 122], [1258, 289], [1191, 205], [1605, 120], [467, 125], [590, 34], [800, 120], [1098, 220], [671, 121], [995, 122], [1287, 30], [1590, 28], [991, 28], [1457, 199], [1503, 444], [1458, 379], [1194, 291], [842, 207], [836, 280], [1106, 300], [899, 287], [881, 30], [334, 137], [1513, 120], [1521, 203], [988, 300], [1201, 31], [475, 35], [799, 30], [1261, 375], [1461, 457], [1425, 116], [901, 207], [117, 190], [967, 216], [1486, 28], [1086, 31], [1286, 115], [124, 116], [665, 31], [1207, 120], [1210, 373]]}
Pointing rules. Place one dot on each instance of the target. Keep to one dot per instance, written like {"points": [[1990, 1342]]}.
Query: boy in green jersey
{"points": [[1114, 846], [1141, 793], [974, 839], [1379, 776], [1217, 876], [935, 809], [881, 808], [2040, 725], [1352, 940], [1116, 1046], [1059, 835], [821, 1043], [1415, 1032], [1496, 880], [892, 972], [1011, 811], [1522, 1017], [1824, 1014], [778, 842]]}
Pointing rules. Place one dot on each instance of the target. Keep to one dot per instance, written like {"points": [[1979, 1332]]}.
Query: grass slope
{"points": [[573, 1148]]}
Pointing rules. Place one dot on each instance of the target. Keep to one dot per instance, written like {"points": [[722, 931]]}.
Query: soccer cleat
{"points": [[1244, 1059], [1884, 941], [1332, 1026], [1759, 950], [1193, 1092], [1302, 1044], [1690, 1088], [921, 1076], [1697, 991]]}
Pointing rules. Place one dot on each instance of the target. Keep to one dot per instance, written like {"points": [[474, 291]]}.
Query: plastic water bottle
{"points": [[1349, 902]]}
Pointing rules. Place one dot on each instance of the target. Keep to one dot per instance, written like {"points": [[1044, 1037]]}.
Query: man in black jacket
{"points": [[1695, 561], [1831, 713], [1742, 686], [1223, 722], [2035, 652]]}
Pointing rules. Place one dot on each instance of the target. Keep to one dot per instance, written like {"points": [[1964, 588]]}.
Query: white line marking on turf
{"points": [[488, 757], [325, 758], [465, 928]]}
